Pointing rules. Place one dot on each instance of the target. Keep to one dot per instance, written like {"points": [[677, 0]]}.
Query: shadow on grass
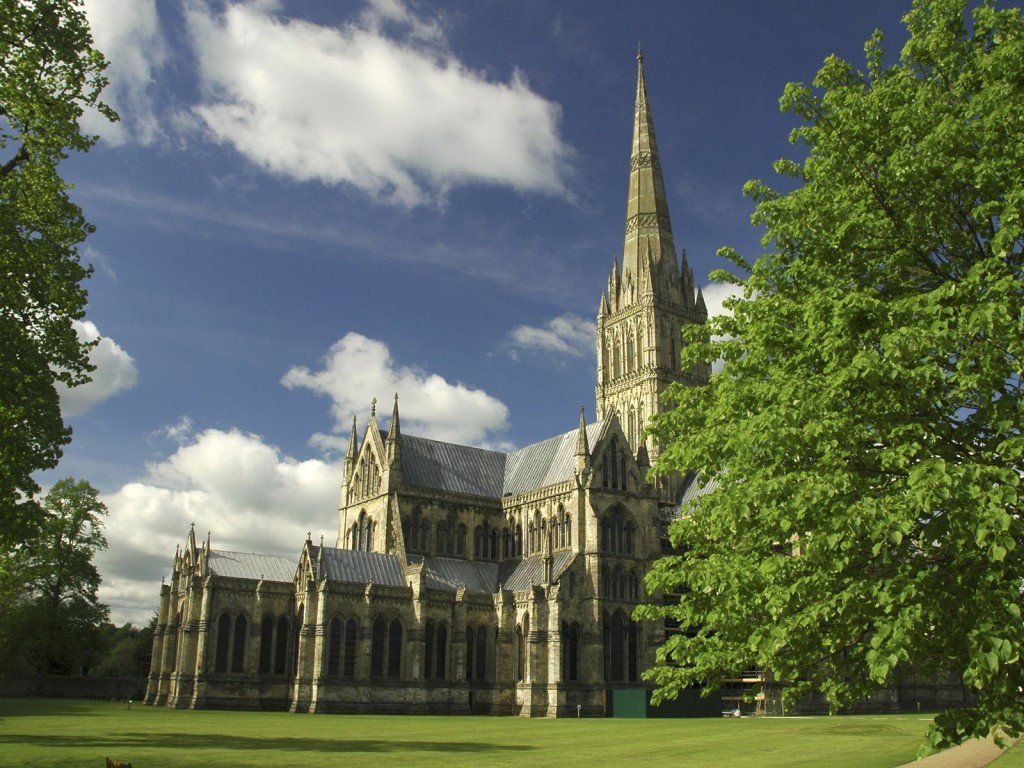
{"points": [[219, 741], [29, 707]]}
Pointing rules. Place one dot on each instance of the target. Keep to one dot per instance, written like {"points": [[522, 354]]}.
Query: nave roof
{"points": [[249, 565], [479, 472]]}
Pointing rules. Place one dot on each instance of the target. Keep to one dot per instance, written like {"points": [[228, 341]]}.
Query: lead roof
{"points": [[491, 474], [245, 565]]}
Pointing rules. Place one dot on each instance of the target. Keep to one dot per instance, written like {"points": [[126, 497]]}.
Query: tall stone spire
{"points": [[647, 218], [650, 297]]}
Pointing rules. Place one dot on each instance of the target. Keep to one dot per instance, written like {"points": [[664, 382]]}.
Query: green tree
{"points": [[868, 414], [127, 650], [55, 627], [50, 73]]}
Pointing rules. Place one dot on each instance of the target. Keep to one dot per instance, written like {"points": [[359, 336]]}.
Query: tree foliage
{"points": [[54, 625], [50, 73], [868, 415], [127, 650]]}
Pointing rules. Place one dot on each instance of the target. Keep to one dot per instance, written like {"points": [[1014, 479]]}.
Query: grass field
{"points": [[1014, 758], [39, 732]]}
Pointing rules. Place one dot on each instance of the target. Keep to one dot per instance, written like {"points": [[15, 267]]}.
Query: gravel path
{"points": [[971, 754]]}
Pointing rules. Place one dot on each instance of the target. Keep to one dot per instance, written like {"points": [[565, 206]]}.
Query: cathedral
{"points": [[465, 580]]}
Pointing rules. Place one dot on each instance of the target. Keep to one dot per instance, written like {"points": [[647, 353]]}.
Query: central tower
{"points": [[649, 297]]}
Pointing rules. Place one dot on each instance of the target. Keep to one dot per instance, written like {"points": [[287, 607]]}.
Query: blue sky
{"points": [[309, 204]]}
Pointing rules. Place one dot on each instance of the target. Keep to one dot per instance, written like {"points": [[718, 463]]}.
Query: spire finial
{"points": [[639, 52], [373, 409]]}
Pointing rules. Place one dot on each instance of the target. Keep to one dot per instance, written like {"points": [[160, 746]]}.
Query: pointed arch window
{"points": [[429, 640], [395, 649], [481, 654], [220, 663], [570, 651], [519, 655], [334, 647], [281, 646], [441, 654], [470, 651], [615, 463], [266, 645], [460, 541], [442, 537], [349, 664], [295, 643], [378, 647], [238, 643]]}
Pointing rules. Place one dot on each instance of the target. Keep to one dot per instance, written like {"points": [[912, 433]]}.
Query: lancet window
{"points": [[386, 648]]}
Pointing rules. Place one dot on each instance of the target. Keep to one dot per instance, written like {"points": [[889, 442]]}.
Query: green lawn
{"points": [[1014, 758], [37, 732]]}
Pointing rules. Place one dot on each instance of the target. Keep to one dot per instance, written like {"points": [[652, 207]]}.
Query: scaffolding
{"points": [[744, 696]]}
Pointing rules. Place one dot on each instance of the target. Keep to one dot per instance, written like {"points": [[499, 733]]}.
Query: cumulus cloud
{"points": [[357, 369], [403, 120], [566, 335], [715, 295], [115, 372], [128, 34], [243, 490]]}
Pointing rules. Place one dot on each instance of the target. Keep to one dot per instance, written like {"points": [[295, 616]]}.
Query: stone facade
{"points": [[463, 580]]}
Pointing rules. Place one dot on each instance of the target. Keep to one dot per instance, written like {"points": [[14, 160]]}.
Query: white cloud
{"points": [[115, 372], [715, 295], [403, 120], [128, 34], [566, 335], [234, 484], [179, 433], [379, 13], [357, 369]]}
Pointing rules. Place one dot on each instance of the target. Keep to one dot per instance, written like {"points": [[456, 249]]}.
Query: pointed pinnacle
{"points": [[395, 431], [352, 441], [582, 446]]}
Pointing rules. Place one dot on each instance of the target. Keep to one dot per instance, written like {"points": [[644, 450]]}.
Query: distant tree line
{"points": [[51, 619]]}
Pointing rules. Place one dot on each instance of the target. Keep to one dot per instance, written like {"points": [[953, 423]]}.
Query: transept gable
{"points": [[615, 466]]}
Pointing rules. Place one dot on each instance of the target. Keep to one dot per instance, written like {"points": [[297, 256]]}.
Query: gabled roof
{"points": [[245, 565], [354, 567], [484, 577], [454, 468], [545, 463], [530, 570], [695, 488], [478, 472], [451, 574]]}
